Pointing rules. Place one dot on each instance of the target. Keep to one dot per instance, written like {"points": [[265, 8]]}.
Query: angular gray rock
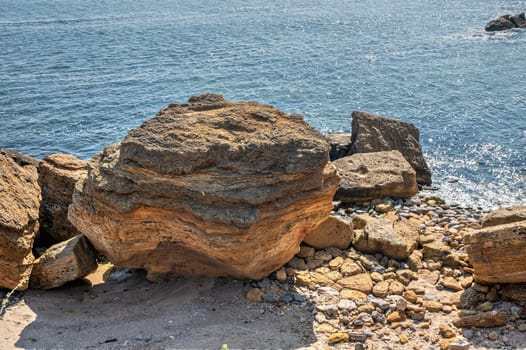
{"points": [[340, 145], [207, 188], [366, 176], [373, 133]]}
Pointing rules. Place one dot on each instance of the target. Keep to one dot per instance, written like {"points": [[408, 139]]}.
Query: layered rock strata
{"points": [[207, 188], [373, 133], [58, 175], [19, 206]]}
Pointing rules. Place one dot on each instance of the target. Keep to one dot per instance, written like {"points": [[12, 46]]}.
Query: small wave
{"points": [[62, 21]]}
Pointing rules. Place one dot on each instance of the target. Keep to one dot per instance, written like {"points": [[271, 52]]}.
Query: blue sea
{"points": [[77, 75]]}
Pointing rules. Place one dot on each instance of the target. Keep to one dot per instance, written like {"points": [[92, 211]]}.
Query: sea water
{"points": [[77, 75]]}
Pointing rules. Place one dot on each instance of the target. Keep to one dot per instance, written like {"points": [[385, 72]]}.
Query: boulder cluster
{"points": [[332, 224]]}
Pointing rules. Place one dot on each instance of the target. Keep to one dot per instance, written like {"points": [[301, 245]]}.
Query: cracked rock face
{"points": [[207, 188]]}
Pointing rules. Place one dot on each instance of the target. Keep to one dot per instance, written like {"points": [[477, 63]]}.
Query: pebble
{"points": [[433, 306], [493, 335], [487, 306], [281, 275], [346, 304], [338, 338], [446, 331], [255, 295], [306, 252]]}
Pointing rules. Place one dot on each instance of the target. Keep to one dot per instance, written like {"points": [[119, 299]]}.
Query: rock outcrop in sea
{"points": [[506, 22], [208, 188]]}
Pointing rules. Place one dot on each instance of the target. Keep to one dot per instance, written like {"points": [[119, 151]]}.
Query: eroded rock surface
{"points": [[208, 188], [333, 232], [505, 215], [58, 175], [340, 145], [19, 205], [367, 176], [497, 253], [373, 133], [64, 262]]}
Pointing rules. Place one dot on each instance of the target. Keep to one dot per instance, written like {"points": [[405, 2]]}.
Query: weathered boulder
{"points": [[514, 292], [497, 253], [502, 23], [519, 20], [504, 216], [340, 145], [373, 133], [396, 240], [366, 176], [207, 188], [58, 174], [334, 232], [19, 206], [63, 262]]}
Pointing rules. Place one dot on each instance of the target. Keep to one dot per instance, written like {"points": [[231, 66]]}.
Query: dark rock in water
{"points": [[519, 20], [340, 145], [504, 22], [207, 188], [19, 205], [58, 174], [373, 133]]}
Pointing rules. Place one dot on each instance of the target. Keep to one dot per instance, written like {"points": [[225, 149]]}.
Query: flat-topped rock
{"points": [[373, 133], [505, 215], [366, 176], [19, 206], [497, 253], [207, 188]]}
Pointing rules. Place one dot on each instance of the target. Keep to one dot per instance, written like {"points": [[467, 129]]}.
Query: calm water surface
{"points": [[77, 75]]}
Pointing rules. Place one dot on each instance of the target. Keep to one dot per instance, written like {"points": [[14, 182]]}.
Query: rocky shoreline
{"points": [[387, 268]]}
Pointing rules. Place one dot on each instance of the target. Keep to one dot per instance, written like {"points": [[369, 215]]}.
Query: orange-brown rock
{"points": [[58, 174], [333, 232], [207, 188], [504, 216], [481, 319], [63, 262], [367, 176], [19, 206], [497, 253]]}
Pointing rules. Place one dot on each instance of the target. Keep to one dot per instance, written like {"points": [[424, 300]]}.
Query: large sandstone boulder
{"points": [[367, 176], [19, 206], [63, 262], [504, 216], [373, 133], [58, 175], [497, 253], [207, 188]]}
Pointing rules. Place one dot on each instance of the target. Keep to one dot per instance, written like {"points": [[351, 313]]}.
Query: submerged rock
{"points": [[207, 188], [19, 205]]}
